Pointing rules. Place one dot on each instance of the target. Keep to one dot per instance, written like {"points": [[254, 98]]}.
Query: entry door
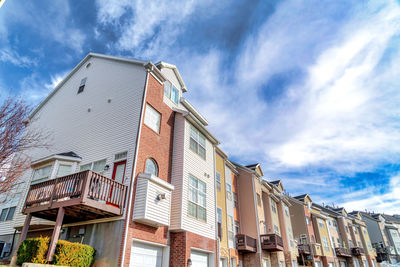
{"points": [[119, 171], [199, 259], [145, 256]]}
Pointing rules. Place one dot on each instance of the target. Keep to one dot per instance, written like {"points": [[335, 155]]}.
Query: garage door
{"points": [[145, 255], [199, 259]]}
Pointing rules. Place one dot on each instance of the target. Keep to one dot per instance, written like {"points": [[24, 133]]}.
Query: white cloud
{"points": [[11, 56]]}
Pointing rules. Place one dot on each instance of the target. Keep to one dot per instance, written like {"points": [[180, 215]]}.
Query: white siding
{"points": [[148, 209], [170, 75], [108, 129]]}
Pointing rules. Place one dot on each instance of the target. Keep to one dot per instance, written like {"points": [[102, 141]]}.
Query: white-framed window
{"points": [[276, 230], [42, 173], [120, 156], [151, 167], [219, 215], [273, 205], [197, 142], [294, 263], [321, 223], [325, 243], [64, 169], [235, 200], [152, 118], [308, 220], [197, 198], [230, 228], [237, 227], [97, 166], [229, 191], [266, 263], [82, 85], [7, 214], [258, 199], [171, 92], [287, 210], [218, 178]]}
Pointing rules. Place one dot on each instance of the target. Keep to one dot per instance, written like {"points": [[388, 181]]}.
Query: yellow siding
{"points": [[323, 233], [221, 202]]}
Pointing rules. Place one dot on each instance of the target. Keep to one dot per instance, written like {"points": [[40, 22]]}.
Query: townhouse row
{"points": [[133, 171]]}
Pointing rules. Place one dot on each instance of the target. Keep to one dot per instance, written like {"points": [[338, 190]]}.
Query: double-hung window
{"points": [[273, 205], [197, 142], [235, 200], [64, 169], [97, 166], [230, 228], [41, 174], [152, 118], [325, 243], [197, 198], [171, 92], [218, 178], [229, 191], [321, 223], [219, 215], [237, 229], [7, 214]]}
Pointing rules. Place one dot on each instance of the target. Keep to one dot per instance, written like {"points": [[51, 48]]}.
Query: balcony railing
{"points": [[271, 242], [245, 243], [357, 251], [304, 249], [85, 195], [343, 252]]}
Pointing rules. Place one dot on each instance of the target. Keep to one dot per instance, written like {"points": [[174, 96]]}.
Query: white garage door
{"points": [[199, 259], [145, 255]]}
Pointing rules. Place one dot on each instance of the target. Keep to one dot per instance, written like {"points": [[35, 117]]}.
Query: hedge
{"points": [[67, 253]]}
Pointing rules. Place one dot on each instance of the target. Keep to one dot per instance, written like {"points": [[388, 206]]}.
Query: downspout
{"points": [[130, 200], [215, 210]]}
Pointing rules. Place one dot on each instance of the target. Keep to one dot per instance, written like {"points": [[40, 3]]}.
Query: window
{"points": [[120, 156], [266, 263], [312, 239], [219, 215], [347, 229], [333, 242], [42, 173], [97, 166], [321, 223], [218, 177], [258, 200], [197, 142], [237, 229], [286, 210], [197, 198], [64, 170], [151, 167], [273, 205], [308, 220], [152, 118], [294, 263], [334, 223], [82, 85], [171, 92], [235, 200], [276, 230], [229, 191], [230, 227], [7, 214], [325, 243]]}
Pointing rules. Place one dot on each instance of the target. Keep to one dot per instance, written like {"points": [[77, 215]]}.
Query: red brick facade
{"points": [[157, 146], [181, 244]]}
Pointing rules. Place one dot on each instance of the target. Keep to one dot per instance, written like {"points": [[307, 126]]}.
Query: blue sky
{"points": [[311, 91]]}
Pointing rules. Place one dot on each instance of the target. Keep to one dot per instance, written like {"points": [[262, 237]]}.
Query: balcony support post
{"points": [[56, 234], [24, 233]]}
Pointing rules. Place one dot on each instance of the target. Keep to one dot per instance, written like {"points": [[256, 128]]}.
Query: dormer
{"points": [[174, 86]]}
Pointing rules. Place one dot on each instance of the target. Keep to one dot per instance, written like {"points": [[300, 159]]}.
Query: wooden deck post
{"points": [[56, 234], [24, 233]]}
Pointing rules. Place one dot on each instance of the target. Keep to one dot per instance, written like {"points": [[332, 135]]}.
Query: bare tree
{"points": [[15, 140]]}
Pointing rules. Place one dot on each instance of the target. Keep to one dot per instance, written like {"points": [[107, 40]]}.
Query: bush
{"points": [[73, 254], [33, 250], [67, 253]]}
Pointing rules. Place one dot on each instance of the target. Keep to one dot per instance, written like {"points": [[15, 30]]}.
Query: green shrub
{"points": [[67, 253], [73, 254], [33, 250]]}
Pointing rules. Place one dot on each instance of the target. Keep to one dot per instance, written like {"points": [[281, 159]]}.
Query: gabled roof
{"points": [[161, 65], [145, 64], [256, 167], [301, 197]]}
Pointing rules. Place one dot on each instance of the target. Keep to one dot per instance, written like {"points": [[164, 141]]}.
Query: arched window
{"points": [[151, 167]]}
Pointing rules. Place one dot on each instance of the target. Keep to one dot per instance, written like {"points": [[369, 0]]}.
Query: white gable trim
{"points": [[176, 71]]}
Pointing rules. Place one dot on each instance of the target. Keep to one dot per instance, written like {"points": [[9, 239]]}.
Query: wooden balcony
{"points": [[304, 249], [271, 242], [357, 251], [84, 196], [245, 243], [343, 252]]}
